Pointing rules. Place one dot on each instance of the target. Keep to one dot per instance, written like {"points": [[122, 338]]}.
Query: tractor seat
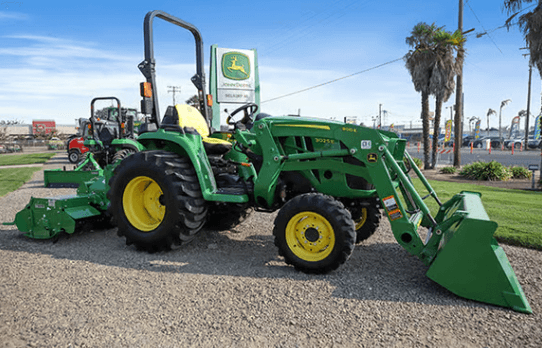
{"points": [[188, 118]]}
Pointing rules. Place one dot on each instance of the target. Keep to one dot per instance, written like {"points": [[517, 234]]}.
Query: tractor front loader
{"points": [[330, 182]]}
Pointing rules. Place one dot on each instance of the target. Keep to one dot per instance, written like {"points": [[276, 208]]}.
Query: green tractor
{"points": [[108, 138], [111, 137], [330, 182]]}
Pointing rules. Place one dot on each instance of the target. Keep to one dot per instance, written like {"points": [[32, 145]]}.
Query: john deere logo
{"points": [[235, 66]]}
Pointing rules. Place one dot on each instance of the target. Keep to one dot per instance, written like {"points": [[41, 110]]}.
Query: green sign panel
{"points": [[235, 66]]}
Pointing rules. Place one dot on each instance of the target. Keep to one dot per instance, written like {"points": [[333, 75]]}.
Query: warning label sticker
{"points": [[394, 215], [390, 203]]}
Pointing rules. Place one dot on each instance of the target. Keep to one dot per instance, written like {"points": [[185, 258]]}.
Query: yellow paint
{"points": [[141, 203], [323, 140], [315, 126], [305, 248], [346, 129], [361, 221]]}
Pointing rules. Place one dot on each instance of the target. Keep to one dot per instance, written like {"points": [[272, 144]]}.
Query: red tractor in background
{"points": [[75, 144]]}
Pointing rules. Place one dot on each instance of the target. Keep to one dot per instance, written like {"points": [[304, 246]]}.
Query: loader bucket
{"points": [[469, 261]]}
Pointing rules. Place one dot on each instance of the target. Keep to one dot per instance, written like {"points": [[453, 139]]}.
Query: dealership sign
{"points": [[236, 82]]}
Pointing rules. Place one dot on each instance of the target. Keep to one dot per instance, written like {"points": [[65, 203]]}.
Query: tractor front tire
{"points": [[156, 200], [314, 233]]}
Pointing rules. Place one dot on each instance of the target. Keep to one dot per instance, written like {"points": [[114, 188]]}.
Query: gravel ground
{"points": [[230, 289]]}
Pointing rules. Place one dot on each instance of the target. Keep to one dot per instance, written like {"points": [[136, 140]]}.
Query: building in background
{"points": [[43, 127]]}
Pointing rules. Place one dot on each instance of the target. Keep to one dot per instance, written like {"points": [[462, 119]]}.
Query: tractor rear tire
{"points": [[73, 156], [156, 200], [366, 221], [314, 233], [224, 216], [122, 154]]}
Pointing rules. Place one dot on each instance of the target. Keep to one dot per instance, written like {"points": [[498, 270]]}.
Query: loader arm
{"points": [[460, 250]]}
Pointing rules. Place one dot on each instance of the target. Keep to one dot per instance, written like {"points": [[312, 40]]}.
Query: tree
{"points": [[193, 101], [489, 113], [442, 83], [4, 125], [432, 67], [419, 63], [530, 24]]}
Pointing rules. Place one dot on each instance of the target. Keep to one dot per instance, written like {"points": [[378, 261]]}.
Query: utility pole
{"points": [[379, 116], [174, 89], [525, 147], [459, 95]]}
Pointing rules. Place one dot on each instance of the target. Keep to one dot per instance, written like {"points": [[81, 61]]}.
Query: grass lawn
{"points": [[31, 158], [518, 212], [13, 178]]}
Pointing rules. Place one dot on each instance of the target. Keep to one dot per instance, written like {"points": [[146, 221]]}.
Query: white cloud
{"points": [[5, 16]]}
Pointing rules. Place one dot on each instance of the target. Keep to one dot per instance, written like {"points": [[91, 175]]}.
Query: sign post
{"points": [[533, 168]]}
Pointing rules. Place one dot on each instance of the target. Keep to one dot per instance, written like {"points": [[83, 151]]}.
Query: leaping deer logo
{"points": [[235, 67]]}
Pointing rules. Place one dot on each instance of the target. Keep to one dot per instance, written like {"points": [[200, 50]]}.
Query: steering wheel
{"points": [[249, 110]]}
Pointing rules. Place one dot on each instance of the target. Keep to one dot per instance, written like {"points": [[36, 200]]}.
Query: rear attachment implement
{"points": [[46, 218], [73, 178], [460, 250]]}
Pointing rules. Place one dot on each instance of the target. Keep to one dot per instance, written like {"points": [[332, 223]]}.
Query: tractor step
{"points": [[234, 191]]}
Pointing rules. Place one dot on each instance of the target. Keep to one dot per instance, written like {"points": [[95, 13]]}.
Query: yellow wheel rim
{"points": [[362, 219], [310, 236], [142, 203]]}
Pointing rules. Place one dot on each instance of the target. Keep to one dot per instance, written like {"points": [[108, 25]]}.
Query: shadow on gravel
{"points": [[375, 272]]}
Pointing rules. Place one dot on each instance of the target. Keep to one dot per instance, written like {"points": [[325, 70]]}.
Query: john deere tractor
{"points": [[329, 181], [111, 137]]}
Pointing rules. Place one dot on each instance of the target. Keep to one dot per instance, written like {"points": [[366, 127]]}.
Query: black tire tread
{"points": [[371, 224], [179, 176], [336, 214], [122, 154]]}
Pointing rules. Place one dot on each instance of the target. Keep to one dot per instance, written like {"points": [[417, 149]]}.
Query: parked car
{"points": [[515, 143], [481, 142], [467, 140], [534, 143]]}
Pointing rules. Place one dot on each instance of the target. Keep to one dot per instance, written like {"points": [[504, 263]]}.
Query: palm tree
{"points": [[420, 62], [432, 67], [530, 24], [442, 81], [489, 113]]}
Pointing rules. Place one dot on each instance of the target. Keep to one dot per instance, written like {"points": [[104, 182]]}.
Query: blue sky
{"points": [[57, 55]]}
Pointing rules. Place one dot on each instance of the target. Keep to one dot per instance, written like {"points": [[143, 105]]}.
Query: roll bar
{"points": [[147, 67]]}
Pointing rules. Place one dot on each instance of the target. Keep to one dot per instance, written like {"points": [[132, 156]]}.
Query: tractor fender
{"points": [[187, 145]]}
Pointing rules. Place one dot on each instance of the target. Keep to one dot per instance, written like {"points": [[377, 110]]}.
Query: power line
{"points": [[468, 4], [335, 80], [341, 8], [506, 25]]}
